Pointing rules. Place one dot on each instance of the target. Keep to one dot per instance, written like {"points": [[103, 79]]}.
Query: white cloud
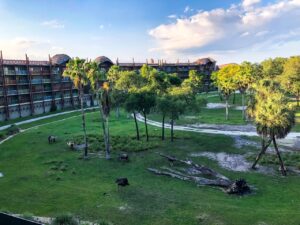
{"points": [[54, 24], [235, 28], [186, 9], [101, 26], [250, 3], [173, 16]]}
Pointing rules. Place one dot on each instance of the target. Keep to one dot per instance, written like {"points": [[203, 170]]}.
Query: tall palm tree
{"points": [[273, 115], [101, 89], [76, 71]]}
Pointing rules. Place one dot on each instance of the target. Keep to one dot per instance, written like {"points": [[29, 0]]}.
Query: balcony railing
{"points": [[46, 80], [21, 72], [9, 72], [23, 91], [37, 81], [12, 92], [10, 82], [23, 82]]}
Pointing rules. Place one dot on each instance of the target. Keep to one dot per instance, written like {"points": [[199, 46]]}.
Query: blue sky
{"points": [[227, 30]]}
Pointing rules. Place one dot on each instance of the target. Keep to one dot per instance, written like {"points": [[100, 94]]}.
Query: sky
{"points": [[225, 30]]}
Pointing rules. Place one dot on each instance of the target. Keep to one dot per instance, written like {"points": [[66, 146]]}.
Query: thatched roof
{"points": [[103, 59], [60, 59], [204, 61]]}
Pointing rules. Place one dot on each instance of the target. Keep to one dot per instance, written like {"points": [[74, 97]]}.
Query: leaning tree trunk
{"points": [[102, 121], [136, 127], [283, 170], [146, 126], [264, 148], [83, 124], [163, 128], [172, 130]]}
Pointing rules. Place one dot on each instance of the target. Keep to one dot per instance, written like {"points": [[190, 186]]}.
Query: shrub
{"points": [[65, 219], [53, 107], [13, 129]]}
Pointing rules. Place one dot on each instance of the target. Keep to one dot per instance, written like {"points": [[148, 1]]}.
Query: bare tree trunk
{"points": [[283, 170], [172, 130], [107, 138], [233, 100], [226, 115], [118, 112], [243, 106], [146, 126], [163, 128], [264, 148], [136, 127], [102, 121], [83, 124]]}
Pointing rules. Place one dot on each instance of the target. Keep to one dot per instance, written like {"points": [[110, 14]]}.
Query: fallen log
{"points": [[202, 169], [201, 181], [193, 171]]}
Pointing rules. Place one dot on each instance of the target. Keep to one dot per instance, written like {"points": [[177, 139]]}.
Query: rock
{"points": [[238, 187]]}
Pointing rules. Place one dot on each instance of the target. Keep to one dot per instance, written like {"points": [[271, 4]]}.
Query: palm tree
{"points": [[273, 115], [96, 78], [76, 71], [105, 105]]}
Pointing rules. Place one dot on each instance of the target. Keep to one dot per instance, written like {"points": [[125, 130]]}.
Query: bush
{"points": [[53, 107], [13, 129], [66, 219], [118, 143]]}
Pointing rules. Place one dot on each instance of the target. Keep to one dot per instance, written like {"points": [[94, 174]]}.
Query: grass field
{"points": [[217, 116], [48, 180]]}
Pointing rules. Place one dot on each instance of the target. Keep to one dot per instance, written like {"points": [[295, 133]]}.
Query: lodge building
{"points": [[34, 87]]}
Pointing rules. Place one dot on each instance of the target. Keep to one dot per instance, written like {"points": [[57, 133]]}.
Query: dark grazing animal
{"points": [[123, 181], [124, 157], [51, 139]]}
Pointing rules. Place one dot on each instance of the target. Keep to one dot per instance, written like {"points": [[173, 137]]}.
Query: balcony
{"points": [[37, 81], [13, 101], [23, 82], [47, 97], [46, 81], [23, 91], [10, 82], [21, 72], [12, 92], [9, 72]]}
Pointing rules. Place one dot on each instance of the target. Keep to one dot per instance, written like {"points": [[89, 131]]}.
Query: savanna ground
{"points": [[47, 180]]}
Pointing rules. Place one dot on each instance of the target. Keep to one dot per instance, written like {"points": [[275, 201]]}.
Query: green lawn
{"points": [[47, 180], [217, 116]]}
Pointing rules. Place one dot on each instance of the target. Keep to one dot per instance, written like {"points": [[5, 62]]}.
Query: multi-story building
{"points": [[34, 87], [205, 66]]}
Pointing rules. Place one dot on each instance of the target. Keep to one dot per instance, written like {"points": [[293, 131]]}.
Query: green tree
{"points": [[145, 102], [194, 81], [273, 115], [224, 79], [113, 74], [177, 107], [131, 106], [272, 68], [290, 78], [97, 79], [76, 70], [243, 80]]}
